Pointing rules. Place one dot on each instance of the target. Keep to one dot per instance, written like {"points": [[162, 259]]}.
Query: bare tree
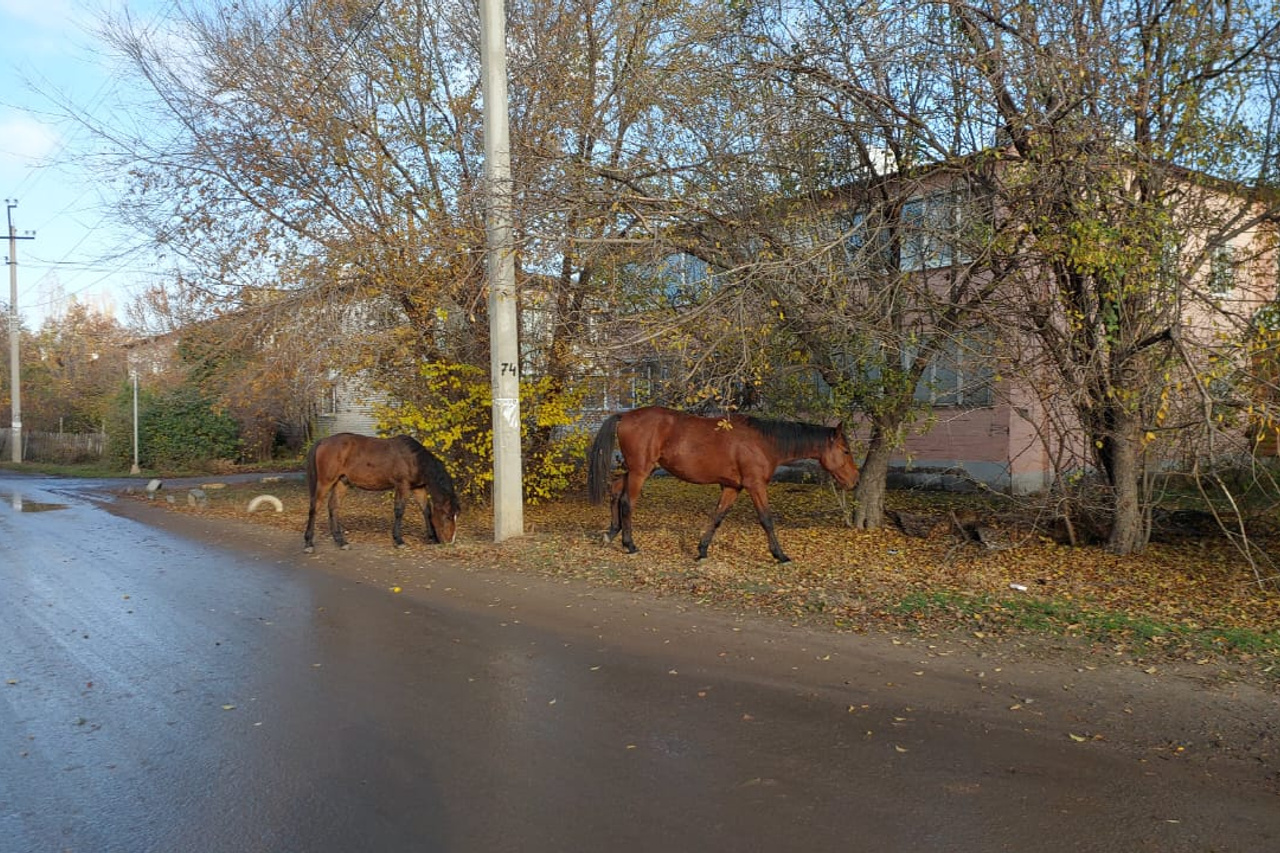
{"points": [[847, 250], [821, 158], [1113, 153], [1141, 148]]}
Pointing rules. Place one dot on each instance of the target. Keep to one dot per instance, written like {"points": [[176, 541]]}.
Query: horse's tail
{"points": [[312, 478], [600, 459]]}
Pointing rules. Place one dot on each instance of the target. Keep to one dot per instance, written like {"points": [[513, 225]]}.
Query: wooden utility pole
{"points": [[15, 333], [504, 345]]}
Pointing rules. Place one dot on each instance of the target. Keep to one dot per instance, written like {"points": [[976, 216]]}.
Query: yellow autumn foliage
{"points": [[453, 418]]}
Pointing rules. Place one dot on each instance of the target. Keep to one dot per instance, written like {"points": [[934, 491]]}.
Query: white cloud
{"points": [[24, 141], [42, 18], [29, 11]]}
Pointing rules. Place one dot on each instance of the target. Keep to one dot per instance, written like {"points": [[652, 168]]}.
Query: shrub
{"points": [[177, 429], [453, 418]]}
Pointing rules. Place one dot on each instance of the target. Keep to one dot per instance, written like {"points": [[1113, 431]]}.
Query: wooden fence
{"points": [[59, 447]]}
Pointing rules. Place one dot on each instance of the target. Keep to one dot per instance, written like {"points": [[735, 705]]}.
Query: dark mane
{"points": [[436, 477], [792, 438]]}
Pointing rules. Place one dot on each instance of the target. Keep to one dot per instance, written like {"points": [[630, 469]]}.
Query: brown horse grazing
{"points": [[735, 452], [377, 464]]}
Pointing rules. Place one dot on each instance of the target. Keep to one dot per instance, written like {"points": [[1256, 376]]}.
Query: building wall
{"points": [[349, 408], [994, 446]]}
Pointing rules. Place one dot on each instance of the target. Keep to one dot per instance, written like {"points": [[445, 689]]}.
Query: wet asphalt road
{"points": [[169, 692]]}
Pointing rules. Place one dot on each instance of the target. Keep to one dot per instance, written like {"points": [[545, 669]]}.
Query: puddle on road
{"points": [[23, 505]]}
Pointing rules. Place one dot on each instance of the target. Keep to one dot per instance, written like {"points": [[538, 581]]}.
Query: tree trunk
{"points": [[870, 491], [1129, 531], [562, 358]]}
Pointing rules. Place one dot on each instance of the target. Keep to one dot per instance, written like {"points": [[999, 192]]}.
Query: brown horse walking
{"points": [[377, 464], [735, 452]]}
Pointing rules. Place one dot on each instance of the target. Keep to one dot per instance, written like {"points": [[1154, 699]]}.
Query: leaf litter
{"points": [[1194, 600]]}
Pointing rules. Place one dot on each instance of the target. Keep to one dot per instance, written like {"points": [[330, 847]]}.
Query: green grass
{"points": [[1050, 616], [95, 470]]}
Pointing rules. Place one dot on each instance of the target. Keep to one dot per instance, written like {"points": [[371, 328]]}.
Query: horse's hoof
{"points": [[782, 558], [632, 549], [399, 544], [309, 549], [344, 546]]}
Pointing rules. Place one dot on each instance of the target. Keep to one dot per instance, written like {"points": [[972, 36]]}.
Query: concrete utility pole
{"points": [[15, 332], [504, 345]]}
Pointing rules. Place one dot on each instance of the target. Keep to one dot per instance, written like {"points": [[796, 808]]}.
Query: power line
{"points": [[86, 116], [36, 174]]}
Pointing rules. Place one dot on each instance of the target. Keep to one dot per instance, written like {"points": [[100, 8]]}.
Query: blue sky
{"points": [[77, 252]]}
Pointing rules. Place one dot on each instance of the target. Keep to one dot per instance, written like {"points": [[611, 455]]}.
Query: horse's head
{"points": [[444, 520], [837, 459]]}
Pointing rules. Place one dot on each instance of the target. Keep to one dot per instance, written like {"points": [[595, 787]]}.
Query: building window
{"points": [[1222, 270], [866, 243], [684, 278], [930, 231], [961, 374]]}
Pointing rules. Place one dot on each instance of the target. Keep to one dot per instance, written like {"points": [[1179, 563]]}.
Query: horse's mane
{"points": [[791, 437], [438, 480]]}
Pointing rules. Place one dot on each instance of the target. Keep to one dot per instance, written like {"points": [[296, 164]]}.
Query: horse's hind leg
{"points": [[402, 495], [335, 523], [615, 521], [728, 495], [322, 490], [308, 538], [626, 502]]}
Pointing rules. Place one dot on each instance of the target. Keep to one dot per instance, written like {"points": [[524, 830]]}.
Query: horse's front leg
{"points": [[335, 523], [761, 499], [728, 495], [402, 495], [424, 503]]}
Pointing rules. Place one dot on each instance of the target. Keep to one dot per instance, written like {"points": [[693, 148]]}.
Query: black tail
{"points": [[600, 459], [311, 473]]}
